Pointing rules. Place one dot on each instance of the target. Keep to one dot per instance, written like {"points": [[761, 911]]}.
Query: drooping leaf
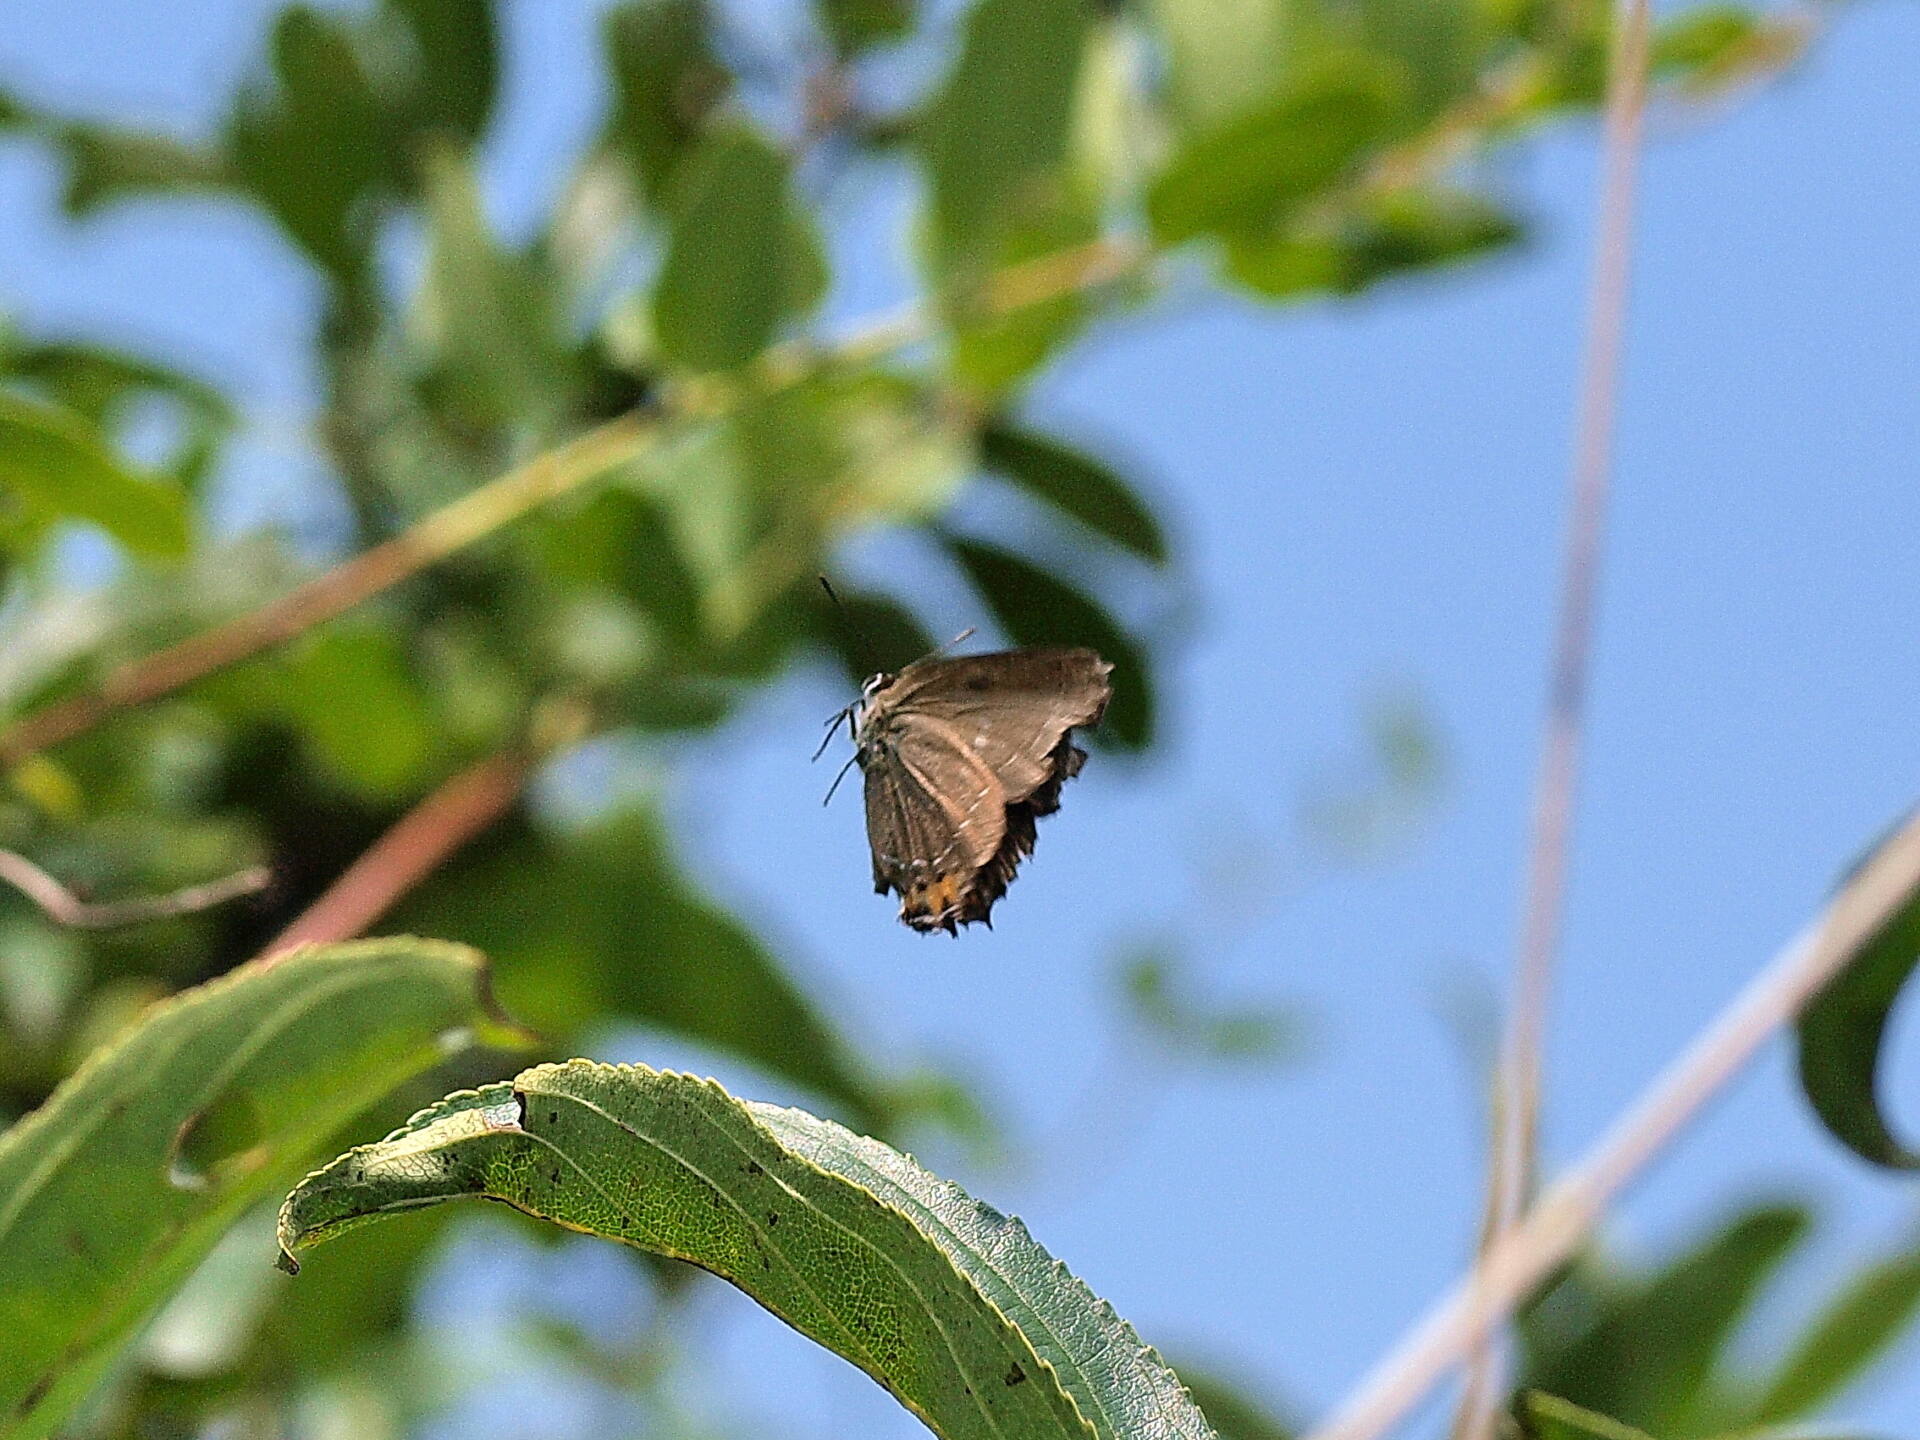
{"points": [[740, 258], [601, 922], [949, 1304], [112, 1190], [1075, 484], [56, 461], [1035, 607], [1545, 1417], [1250, 174], [1647, 1356], [1856, 1328], [994, 140], [666, 81], [1841, 1033], [454, 79]]}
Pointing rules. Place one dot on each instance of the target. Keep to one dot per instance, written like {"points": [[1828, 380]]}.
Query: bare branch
{"points": [[63, 907]]}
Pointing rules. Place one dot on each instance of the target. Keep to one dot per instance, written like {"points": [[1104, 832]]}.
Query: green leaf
{"points": [[1252, 173], [56, 461], [1382, 237], [1224, 57], [1233, 1410], [1036, 608], [666, 81], [948, 1303], [856, 25], [740, 258], [1857, 1326], [1435, 41], [1841, 1032], [1075, 484], [995, 139], [602, 923], [106, 164], [455, 76], [1544, 1417], [486, 316], [1651, 1351], [124, 1179], [315, 148]]}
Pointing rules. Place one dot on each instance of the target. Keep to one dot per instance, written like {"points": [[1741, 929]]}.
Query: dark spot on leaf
{"points": [[553, 1177], [1015, 1375], [773, 1218], [753, 1167], [553, 1117], [36, 1392]]}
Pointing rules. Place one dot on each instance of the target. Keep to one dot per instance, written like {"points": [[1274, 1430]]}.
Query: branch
{"points": [[1555, 1228], [63, 907], [1515, 1145], [472, 517], [419, 843]]}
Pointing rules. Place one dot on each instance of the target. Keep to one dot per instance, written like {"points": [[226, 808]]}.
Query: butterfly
{"points": [[961, 755]]}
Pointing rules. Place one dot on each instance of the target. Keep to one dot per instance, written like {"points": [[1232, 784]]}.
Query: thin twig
{"points": [[1567, 1213], [1514, 1157], [419, 843], [63, 907], [476, 514]]}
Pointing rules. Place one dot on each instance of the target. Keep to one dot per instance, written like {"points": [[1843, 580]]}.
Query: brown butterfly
{"points": [[961, 756]]}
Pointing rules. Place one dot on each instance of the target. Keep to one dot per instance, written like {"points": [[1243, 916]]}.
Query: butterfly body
{"points": [[960, 757]]}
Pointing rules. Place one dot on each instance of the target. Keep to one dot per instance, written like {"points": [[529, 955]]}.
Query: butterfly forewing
{"points": [[961, 755]]}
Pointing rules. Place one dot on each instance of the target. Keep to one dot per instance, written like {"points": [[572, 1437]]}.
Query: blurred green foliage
{"points": [[1064, 149]]}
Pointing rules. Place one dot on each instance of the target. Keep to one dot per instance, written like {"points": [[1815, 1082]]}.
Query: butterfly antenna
{"points": [[838, 778], [845, 712], [862, 642]]}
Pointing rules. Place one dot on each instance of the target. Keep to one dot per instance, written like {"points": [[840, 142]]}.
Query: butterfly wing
{"points": [[935, 819], [961, 757], [1011, 709]]}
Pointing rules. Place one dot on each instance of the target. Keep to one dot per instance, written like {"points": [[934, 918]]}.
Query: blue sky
{"points": [[1368, 496]]}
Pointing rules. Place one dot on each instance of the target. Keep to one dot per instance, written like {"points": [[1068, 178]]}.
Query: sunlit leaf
{"points": [[1037, 608], [1074, 483], [56, 461], [1842, 1032], [995, 139], [948, 1303], [666, 81], [1224, 56], [1248, 175], [114, 1189], [739, 259]]}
